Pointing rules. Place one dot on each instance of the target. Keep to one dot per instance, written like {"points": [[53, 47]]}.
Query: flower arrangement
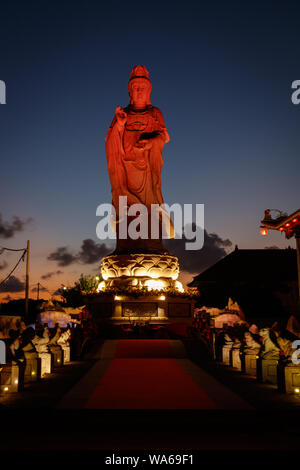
{"points": [[133, 291]]}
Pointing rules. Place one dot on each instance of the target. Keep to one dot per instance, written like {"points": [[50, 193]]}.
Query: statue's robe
{"points": [[135, 173]]}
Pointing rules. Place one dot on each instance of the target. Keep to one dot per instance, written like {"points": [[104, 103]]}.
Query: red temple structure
{"points": [[289, 224]]}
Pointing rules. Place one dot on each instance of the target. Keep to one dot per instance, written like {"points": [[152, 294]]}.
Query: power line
{"points": [[45, 288], [3, 248], [52, 292], [41, 287], [22, 258]]}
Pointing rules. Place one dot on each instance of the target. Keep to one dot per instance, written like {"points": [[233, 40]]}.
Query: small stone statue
{"points": [[286, 347], [63, 342], [63, 339], [251, 344], [53, 341], [16, 352], [228, 340], [41, 343], [270, 350]]}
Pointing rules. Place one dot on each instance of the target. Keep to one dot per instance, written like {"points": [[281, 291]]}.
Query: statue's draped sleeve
{"points": [[161, 125], [116, 170], [156, 152]]}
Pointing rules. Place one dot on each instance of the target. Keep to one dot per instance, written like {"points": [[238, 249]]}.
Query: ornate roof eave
{"points": [[288, 224]]}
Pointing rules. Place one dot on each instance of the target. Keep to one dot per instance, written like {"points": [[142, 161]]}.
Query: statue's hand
{"points": [[121, 117], [144, 144], [132, 199]]}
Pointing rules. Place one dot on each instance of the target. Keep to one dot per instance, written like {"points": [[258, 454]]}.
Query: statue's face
{"points": [[140, 92]]}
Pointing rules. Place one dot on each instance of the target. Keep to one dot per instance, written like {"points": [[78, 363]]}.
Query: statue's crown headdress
{"points": [[139, 71]]}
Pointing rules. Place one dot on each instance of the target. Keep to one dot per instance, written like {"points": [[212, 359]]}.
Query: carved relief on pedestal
{"points": [[151, 266]]}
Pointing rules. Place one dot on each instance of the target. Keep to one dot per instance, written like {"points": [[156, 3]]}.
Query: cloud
{"points": [[13, 284], [8, 229], [196, 261], [192, 261], [62, 256], [51, 274], [90, 252], [3, 265]]}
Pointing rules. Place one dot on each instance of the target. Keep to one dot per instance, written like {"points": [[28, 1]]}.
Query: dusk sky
{"points": [[221, 73]]}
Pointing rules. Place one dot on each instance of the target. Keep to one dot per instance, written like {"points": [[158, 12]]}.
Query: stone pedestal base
{"points": [[236, 359], [45, 363], [157, 271], [267, 370], [226, 353], [250, 361], [57, 357], [153, 309], [66, 352], [137, 267], [33, 367], [11, 377], [289, 378], [140, 287]]}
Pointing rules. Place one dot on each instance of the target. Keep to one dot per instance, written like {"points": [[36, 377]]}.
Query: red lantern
{"points": [[264, 232]]}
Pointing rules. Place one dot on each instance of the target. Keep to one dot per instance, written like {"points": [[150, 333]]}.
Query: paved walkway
{"points": [[148, 374]]}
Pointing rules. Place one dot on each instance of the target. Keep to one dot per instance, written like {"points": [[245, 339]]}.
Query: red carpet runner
{"points": [[135, 348], [144, 375]]}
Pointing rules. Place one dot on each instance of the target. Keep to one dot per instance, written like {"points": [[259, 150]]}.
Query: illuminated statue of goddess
{"points": [[134, 145]]}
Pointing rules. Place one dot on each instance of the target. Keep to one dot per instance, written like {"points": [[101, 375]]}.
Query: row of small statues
{"points": [[274, 342], [271, 354], [38, 340], [268, 343], [31, 353]]}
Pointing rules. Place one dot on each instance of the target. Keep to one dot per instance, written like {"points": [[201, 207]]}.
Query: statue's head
{"points": [[139, 87]]}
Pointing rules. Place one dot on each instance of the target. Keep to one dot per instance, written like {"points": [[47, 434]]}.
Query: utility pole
{"points": [[27, 277], [298, 260], [38, 291]]}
